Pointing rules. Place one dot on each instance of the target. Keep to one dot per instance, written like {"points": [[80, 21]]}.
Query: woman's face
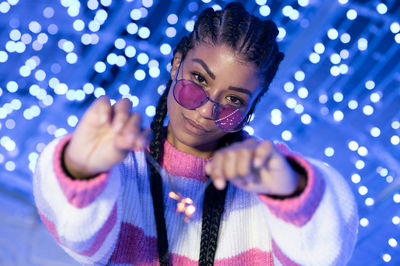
{"points": [[226, 80]]}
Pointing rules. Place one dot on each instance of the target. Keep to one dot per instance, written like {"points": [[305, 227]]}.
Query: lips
{"points": [[194, 127]]}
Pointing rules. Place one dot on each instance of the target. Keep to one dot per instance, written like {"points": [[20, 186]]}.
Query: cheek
{"points": [[173, 108], [175, 112]]}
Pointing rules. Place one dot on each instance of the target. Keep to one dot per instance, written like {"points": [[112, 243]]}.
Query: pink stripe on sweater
{"points": [[250, 257], [281, 256], [96, 242], [50, 226], [182, 260], [80, 193], [178, 163], [134, 247], [102, 233], [299, 210]]}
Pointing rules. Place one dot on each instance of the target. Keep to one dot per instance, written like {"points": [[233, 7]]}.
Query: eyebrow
{"points": [[204, 65], [240, 90], [212, 75]]}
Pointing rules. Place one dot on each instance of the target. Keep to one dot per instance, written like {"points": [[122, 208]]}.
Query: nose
{"points": [[206, 110]]}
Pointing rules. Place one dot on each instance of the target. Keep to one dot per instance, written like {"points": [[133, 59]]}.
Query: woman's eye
{"points": [[199, 78], [235, 100]]}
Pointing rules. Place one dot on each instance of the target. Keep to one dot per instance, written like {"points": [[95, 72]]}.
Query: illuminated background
{"points": [[336, 96]]}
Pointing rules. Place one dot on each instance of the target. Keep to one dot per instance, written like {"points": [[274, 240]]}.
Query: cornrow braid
{"points": [[209, 27], [184, 46], [254, 41], [277, 58], [230, 31]]}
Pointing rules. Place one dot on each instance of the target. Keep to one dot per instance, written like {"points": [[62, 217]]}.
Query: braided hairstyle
{"points": [[254, 41]]}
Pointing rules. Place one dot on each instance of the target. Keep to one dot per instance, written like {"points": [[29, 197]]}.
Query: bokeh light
{"points": [[335, 97]]}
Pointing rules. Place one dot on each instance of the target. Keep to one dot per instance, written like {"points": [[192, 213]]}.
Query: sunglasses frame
{"points": [[216, 105]]}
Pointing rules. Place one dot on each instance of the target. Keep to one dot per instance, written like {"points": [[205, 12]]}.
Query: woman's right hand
{"points": [[103, 138]]}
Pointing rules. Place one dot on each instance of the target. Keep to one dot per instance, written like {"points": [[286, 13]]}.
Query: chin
{"points": [[196, 138]]}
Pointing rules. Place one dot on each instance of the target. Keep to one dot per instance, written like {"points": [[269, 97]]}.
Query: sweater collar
{"points": [[178, 163]]}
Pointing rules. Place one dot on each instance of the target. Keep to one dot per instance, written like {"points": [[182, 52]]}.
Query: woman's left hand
{"points": [[253, 166]]}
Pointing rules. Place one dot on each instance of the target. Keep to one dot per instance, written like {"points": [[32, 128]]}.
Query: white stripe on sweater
{"points": [[90, 218], [248, 225], [307, 246], [102, 256]]}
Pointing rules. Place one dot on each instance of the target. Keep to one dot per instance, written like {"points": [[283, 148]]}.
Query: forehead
{"points": [[219, 54], [226, 65]]}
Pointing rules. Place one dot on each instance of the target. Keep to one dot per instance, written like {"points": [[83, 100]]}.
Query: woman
{"points": [[104, 201]]}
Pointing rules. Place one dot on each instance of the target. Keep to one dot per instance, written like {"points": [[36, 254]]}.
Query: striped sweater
{"points": [[109, 219]]}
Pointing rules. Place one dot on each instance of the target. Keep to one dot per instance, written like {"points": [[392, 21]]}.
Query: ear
{"points": [[175, 64]]}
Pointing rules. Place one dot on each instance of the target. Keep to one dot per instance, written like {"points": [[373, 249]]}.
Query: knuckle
{"points": [[229, 169], [217, 157], [215, 168], [243, 153], [231, 154], [216, 172], [243, 169], [268, 144]]}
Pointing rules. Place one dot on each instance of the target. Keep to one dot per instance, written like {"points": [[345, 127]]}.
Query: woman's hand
{"points": [[254, 166], [103, 138]]}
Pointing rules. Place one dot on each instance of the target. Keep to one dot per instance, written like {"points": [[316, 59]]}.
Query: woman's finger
{"points": [[214, 170], [133, 125], [229, 159], [243, 165], [99, 112], [128, 135], [121, 114], [262, 153]]}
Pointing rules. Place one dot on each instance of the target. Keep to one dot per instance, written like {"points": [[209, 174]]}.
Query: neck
{"points": [[205, 151]]}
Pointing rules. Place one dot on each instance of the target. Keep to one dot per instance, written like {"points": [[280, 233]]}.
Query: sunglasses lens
{"points": [[192, 96], [188, 94], [229, 118]]}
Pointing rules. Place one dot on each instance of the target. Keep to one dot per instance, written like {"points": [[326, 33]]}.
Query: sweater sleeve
{"points": [[317, 227], [82, 215]]}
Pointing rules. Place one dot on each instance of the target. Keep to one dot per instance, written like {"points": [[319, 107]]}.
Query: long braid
{"points": [[253, 40], [156, 151], [213, 208]]}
